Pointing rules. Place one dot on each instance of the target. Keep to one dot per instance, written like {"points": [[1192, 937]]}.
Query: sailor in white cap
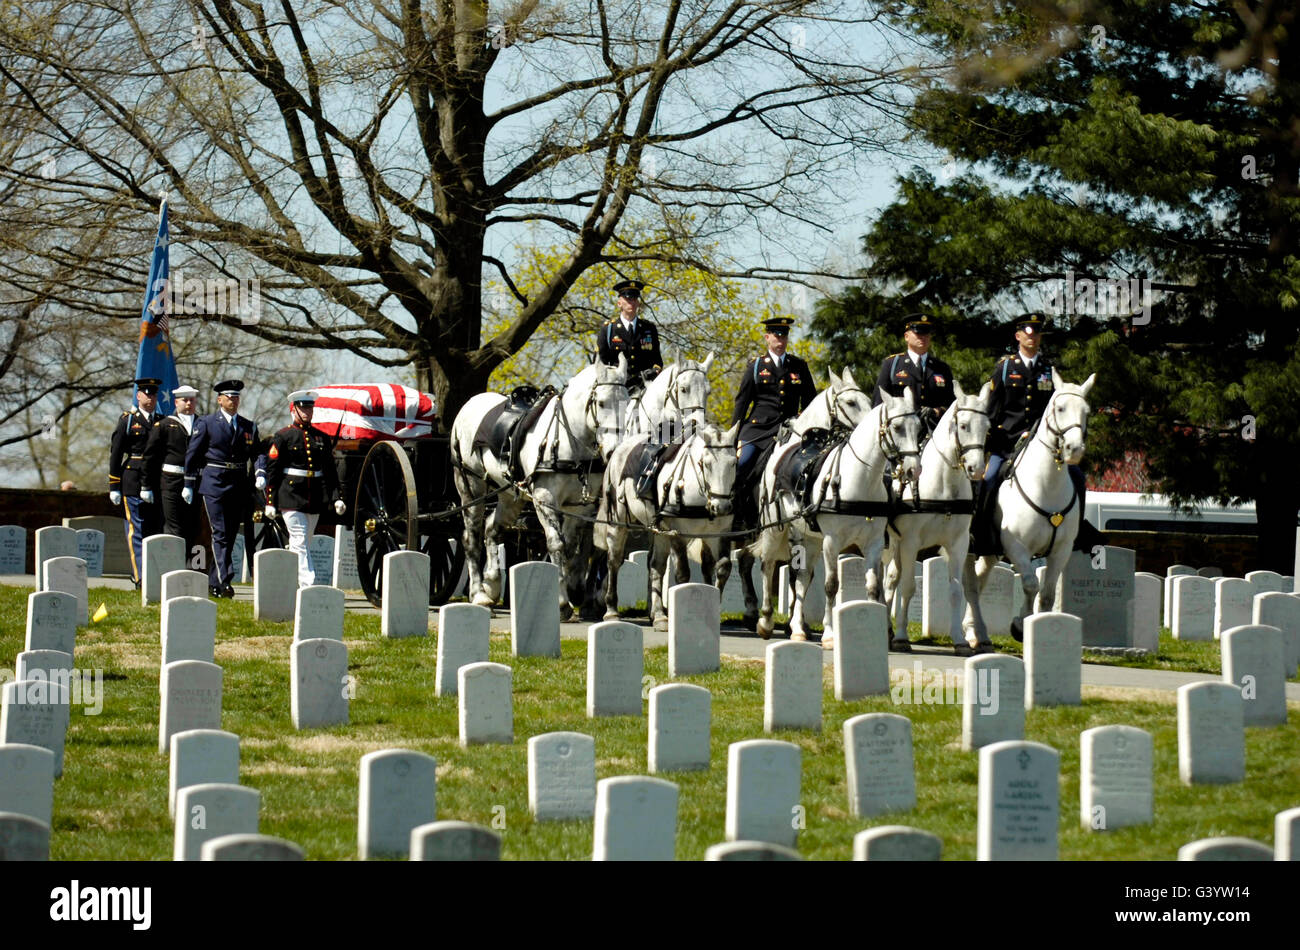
{"points": [[164, 462], [301, 479], [221, 450]]}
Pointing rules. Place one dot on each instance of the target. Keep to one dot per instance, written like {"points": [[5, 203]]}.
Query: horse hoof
{"points": [[611, 615], [481, 599], [985, 647], [566, 612], [1018, 630], [798, 635], [764, 628], [962, 648], [662, 624], [749, 621], [828, 641], [900, 646]]}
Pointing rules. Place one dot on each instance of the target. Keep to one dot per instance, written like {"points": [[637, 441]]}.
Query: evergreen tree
{"points": [[1111, 142]]}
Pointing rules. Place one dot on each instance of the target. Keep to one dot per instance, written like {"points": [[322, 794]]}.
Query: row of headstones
{"points": [[333, 560]]}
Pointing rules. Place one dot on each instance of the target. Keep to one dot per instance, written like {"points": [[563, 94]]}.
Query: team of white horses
{"points": [[593, 426]]}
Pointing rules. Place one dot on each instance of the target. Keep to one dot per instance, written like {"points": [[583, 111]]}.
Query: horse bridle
{"points": [[835, 395], [961, 449], [684, 459], [1057, 446], [888, 444], [674, 393]]}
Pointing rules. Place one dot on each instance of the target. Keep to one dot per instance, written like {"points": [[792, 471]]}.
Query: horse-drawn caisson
{"points": [[595, 462]]}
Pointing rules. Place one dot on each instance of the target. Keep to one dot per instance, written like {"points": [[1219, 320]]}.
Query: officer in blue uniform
{"points": [[631, 335], [127, 482], [775, 386], [919, 370], [221, 452], [164, 460]]}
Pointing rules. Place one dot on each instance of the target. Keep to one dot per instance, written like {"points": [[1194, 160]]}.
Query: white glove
{"points": [[340, 509], [187, 495], [269, 511], [146, 496], [260, 483], [115, 497]]}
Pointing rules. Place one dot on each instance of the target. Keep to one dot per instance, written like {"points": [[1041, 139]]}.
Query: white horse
{"points": [[951, 461], [673, 400], [842, 403], [693, 497], [849, 507], [1035, 508], [561, 458]]}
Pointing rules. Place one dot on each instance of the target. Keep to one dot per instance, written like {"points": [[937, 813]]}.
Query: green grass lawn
{"points": [[111, 802]]}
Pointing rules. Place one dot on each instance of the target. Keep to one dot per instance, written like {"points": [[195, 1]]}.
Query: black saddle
{"points": [[797, 472], [644, 464], [502, 429]]}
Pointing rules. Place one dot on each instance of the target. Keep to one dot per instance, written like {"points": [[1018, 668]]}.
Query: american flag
{"points": [[374, 411]]}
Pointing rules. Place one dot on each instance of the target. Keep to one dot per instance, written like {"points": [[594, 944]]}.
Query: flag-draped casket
{"points": [[370, 412]]}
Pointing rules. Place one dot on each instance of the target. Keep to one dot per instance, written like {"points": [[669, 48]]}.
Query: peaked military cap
{"points": [[629, 288], [229, 387]]}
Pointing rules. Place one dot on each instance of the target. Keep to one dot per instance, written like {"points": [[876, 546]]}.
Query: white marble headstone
{"points": [[199, 757], [68, 575], [320, 555], [319, 683], [792, 687], [1281, 611], [1225, 849], [1098, 588], [190, 693], [680, 728], [464, 637], [750, 851], [250, 847], [615, 665], [1211, 734], [1053, 660], [633, 579], [1019, 802], [189, 629], [454, 841], [853, 579], [562, 776], [51, 621], [183, 583], [936, 611], [1116, 788], [52, 541], [694, 629], [535, 609], [878, 758], [275, 584], [861, 651], [1286, 835], [90, 548], [998, 600], [636, 819], [345, 576], [993, 700], [37, 712], [212, 810], [161, 554], [1233, 599], [896, 843], [486, 704], [398, 794], [27, 780], [764, 778], [1252, 660], [1191, 607], [52, 664], [23, 838], [1147, 611], [13, 549], [318, 612], [1174, 570]]}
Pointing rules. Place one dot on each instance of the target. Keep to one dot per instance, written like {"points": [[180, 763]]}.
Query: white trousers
{"points": [[301, 526]]}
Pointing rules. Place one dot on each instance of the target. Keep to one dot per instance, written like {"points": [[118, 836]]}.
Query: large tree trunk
{"points": [[1276, 505], [452, 387]]}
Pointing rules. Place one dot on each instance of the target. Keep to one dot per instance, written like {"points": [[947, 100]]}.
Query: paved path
{"points": [[742, 645]]}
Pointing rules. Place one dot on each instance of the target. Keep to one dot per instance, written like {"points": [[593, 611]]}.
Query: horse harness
{"points": [[1057, 447]]}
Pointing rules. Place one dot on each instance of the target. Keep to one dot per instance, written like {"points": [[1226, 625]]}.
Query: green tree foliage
{"points": [[1106, 142]]}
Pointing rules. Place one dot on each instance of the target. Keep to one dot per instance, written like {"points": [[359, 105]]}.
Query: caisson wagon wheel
{"points": [[446, 562], [387, 514]]}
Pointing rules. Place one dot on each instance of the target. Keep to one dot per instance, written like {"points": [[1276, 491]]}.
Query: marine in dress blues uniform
{"points": [[127, 483], [164, 461], [632, 336], [301, 479], [774, 387], [919, 370], [221, 452]]}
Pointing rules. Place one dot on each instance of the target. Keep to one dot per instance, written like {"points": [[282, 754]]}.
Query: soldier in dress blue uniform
{"points": [[164, 460], [301, 479], [919, 370], [633, 336], [217, 462], [127, 483], [1022, 386], [775, 386]]}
